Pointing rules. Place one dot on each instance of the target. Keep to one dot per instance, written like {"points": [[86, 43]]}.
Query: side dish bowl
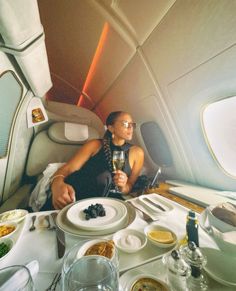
{"points": [[6, 244], [160, 236], [130, 240], [7, 229]]}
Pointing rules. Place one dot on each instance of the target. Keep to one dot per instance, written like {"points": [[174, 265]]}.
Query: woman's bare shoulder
{"points": [[136, 151]]}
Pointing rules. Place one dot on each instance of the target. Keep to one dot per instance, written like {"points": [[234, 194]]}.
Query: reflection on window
{"points": [[10, 95], [219, 124]]}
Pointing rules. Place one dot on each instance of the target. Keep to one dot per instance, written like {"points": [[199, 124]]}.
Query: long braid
{"points": [[107, 150], [108, 137]]}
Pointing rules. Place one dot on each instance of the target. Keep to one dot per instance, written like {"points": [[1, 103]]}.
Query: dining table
{"points": [[41, 245]]}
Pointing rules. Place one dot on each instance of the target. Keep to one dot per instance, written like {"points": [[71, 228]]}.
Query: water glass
{"points": [[91, 273], [96, 271], [17, 278]]}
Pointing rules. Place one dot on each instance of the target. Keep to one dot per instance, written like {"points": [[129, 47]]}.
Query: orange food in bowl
{"points": [[6, 229], [161, 236]]}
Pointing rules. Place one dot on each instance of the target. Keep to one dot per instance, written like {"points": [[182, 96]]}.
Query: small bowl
{"points": [[130, 240], [216, 222], [14, 216], [147, 281], [88, 244], [8, 224], [150, 228], [9, 242]]}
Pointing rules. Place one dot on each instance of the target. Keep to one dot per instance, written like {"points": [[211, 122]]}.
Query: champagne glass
{"points": [[118, 162]]}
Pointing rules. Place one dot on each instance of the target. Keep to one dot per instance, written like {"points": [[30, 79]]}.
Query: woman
{"points": [[89, 173]]}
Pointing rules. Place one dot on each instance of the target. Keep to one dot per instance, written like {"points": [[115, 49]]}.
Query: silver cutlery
{"points": [[146, 217], [49, 227], [154, 203], [55, 281], [33, 221], [60, 236]]}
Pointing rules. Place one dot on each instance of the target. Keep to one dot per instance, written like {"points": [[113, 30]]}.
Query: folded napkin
{"points": [[18, 279], [225, 212]]}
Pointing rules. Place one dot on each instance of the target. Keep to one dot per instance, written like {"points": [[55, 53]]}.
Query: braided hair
{"points": [[108, 137]]}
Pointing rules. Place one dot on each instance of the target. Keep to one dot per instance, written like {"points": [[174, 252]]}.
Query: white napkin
{"points": [[18, 280]]}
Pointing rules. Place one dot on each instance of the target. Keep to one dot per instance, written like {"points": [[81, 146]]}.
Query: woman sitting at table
{"points": [[90, 172]]}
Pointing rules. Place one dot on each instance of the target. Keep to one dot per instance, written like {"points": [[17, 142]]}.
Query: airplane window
{"points": [[10, 95], [156, 144], [219, 126]]}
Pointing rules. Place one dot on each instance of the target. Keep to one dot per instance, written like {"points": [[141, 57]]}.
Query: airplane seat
{"points": [[56, 144]]}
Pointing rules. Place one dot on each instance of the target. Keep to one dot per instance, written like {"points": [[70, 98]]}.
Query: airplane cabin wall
{"points": [[184, 63], [13, 164]]}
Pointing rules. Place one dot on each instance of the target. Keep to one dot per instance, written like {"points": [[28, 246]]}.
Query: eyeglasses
{"points": [[127, 124]]}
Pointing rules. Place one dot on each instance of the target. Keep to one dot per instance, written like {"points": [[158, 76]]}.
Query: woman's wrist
{"points": [[56, 177]]}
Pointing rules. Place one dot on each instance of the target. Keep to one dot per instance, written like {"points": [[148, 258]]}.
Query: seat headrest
{"points": [[71, 133]]}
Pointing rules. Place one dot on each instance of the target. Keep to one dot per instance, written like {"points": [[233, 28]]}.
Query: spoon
{"points": [[49, 223], [33, 221]]}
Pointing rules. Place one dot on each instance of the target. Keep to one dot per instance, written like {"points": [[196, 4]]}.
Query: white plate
{"points": [[153, 211], [115, 213], [220, 266], [69, 228], [15, 215]]}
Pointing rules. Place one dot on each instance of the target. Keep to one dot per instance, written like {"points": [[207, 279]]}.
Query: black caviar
{"points": [[94, 210]]}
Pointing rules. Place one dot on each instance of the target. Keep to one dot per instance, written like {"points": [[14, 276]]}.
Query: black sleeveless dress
{"points": [[94, 179]]}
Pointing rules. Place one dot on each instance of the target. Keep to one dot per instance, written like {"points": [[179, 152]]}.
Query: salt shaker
{"points": [[194, 257], [177, 271]]}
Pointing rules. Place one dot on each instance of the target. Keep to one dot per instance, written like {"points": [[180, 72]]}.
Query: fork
{"points": [[33, 221], [55, 281], [146, 217]]}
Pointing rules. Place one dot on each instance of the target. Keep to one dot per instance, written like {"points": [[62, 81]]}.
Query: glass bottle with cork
{"points": [[192, 228]]}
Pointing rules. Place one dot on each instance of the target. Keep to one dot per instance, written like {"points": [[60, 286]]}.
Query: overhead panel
{"points": [[114, 55], [72, 30], [142, 16]]}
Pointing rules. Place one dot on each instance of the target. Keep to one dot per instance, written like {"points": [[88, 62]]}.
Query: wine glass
{"points": [[118, 162]]}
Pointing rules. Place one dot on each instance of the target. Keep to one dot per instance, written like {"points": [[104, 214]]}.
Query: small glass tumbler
{"points": [[91, 273], [96, 269], [17, 278]]}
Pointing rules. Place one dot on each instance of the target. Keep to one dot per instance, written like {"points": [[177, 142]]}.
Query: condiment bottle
{"points": [[194, 257], [192, 228], [177, 271]]}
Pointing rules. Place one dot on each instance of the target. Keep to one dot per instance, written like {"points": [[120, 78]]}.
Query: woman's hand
{"points": [[120, 178], [62, 194]]}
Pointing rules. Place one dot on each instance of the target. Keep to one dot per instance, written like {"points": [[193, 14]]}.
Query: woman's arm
{"points": [[62, 193], [136, 160]]}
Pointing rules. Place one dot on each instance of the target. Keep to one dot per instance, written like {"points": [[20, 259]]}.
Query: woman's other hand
{"points": [[62, 194]]}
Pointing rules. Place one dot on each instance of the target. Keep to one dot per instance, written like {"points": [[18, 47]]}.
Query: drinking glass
{"points": [[118, 162], [90, 272], [17, 278]]}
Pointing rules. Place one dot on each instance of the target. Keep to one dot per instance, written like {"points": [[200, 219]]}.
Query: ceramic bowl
{"points": [[9, 242], [4, 226], [86, 245], [130, 240], [216, 222], [153, 227], [148, 281], [14, 216]]}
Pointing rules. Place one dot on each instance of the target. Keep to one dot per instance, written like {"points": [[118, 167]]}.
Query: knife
{"points": [[60, 235], [154, 204]]}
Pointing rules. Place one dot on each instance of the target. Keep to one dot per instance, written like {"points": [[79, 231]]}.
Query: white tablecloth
{"points": [[41, 246]]}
